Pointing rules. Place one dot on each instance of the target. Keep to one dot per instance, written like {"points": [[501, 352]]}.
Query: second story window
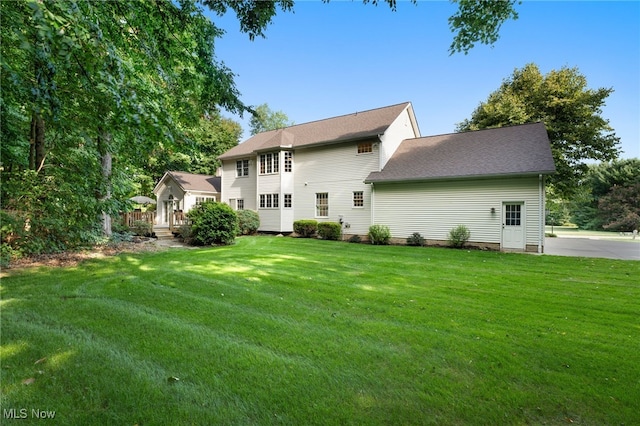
{"points": [[364, 148], [288, 161], [242, 168], [269, 163]]}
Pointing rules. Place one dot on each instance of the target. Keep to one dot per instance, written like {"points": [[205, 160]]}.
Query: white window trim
{"points": [[271, 162], [319, 205], [353, 200], [271, 201], [243, 175]]}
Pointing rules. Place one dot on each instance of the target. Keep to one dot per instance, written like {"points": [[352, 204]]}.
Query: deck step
{"points": [[163, 233]]}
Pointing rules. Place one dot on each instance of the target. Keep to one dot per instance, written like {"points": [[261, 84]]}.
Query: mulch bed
{"points": [[73, 258]]}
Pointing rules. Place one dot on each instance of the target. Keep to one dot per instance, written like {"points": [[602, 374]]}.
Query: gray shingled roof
{"points": [[344, 128], [514, 150], [193, 182]]}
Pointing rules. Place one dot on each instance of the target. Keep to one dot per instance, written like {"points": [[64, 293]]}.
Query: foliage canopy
{"points": [[609, 197], [264, 119], [570, 110]]}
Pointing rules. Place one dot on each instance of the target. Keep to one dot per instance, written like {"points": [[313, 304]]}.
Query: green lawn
{"points": [[301, 332]]}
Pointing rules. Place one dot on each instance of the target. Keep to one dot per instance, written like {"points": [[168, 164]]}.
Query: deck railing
{"points": [[177, 219], [129, 218]]}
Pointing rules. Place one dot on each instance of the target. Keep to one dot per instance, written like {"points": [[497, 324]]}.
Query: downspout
{"points": [[373, 216], [541, 214]]}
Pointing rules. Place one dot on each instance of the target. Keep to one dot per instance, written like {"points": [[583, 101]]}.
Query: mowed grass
{"points": [[302, 332]]}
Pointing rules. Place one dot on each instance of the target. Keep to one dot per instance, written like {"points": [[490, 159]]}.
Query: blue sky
{"points": [[325, 60]]}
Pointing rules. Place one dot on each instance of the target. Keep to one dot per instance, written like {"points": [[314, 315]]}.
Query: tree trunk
{"points": [[104, 148], [37, 150]]}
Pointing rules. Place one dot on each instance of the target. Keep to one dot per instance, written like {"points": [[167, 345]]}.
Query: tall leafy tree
{"points": [[608, 196], [264, 119], [571, 111], [91, 88]]}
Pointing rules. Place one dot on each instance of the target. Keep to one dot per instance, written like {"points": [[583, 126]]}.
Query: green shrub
{"points": [[7, 254], [248, 222], [184, 233], [142, 228], [355, 239], [213, 223], [379, 234], [415, 239], [459, 236], [306, 228], [118, 226], [120, 237], [329, 230]]}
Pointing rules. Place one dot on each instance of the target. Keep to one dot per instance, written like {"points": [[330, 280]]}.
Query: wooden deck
{"points": [[176, 220]]}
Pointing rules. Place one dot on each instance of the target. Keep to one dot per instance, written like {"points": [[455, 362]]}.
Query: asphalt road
{"points": [[591, 247]]}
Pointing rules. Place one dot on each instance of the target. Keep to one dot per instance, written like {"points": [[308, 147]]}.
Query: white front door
{"points": [[169, 206], [513, 226]]}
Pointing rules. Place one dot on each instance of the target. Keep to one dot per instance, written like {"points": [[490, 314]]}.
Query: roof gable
{"points": [[344, 128], [513, 150], [191, 182]]}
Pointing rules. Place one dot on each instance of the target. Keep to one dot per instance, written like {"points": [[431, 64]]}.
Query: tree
{"points": [[197, 153], [479, 21], [570, 111], [264, 119], [608, 196], [90, 89], [620, 208]]}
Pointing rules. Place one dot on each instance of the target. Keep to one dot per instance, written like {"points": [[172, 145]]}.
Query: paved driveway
{"points": [[590, 247]]}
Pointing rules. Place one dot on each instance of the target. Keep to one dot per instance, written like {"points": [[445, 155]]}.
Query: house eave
{"points": [[256, 152], [458, 177]]}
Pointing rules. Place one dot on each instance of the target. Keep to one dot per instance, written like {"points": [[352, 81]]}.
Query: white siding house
{"points": [[491, 181], [373, 167], [179, 192], [315, 170]]}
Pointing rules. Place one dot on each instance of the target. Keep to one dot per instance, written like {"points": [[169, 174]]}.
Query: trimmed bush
{"points": [[379, 234], [329, 230], [306, 228], [459, 236], [248, 222], [213, 223], [415, 239]]}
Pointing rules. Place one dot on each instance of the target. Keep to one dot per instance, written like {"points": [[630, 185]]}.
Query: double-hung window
{"points": [[242, 168], [358, 198], [287, 201], [288, 161], [322, 204]]}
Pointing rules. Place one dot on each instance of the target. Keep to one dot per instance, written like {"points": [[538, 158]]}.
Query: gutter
{"points": [[457, 177]]}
